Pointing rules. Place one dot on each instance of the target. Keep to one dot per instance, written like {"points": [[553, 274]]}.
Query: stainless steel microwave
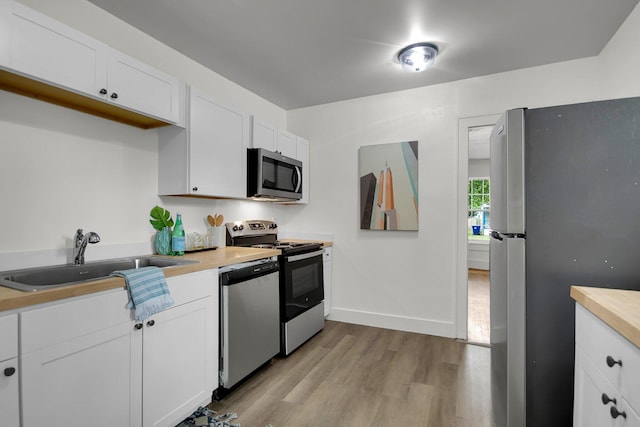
{"points": [[272, 176]]}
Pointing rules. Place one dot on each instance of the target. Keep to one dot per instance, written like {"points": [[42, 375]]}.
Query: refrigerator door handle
{"points": [[496, 235]]}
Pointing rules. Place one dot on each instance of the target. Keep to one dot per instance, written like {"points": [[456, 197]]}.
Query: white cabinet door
{"points": [[263, 134], [5, 31], [209, 157], [179, 363], [137, 86], [9, 393], [218, 148], [326, 273], [9, 390], [589, 410], [302, 154], [79, 362], [286, 144], [45, 49]]}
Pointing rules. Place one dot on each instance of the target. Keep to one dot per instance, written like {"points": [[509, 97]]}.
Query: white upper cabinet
{"points": [[266, 135], [302, 154], [209, 157], [5, 31], [263, 134], [44, 49], [287, 144], [49, 60], [135, 85]]}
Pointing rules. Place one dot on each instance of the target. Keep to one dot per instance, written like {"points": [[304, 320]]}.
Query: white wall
{"points": [[407, 280], [63, 169]]}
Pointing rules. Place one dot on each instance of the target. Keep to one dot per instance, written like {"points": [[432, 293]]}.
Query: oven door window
{"points": [[303, 284]]}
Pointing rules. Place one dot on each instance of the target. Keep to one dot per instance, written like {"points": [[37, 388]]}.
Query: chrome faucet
{"points": [[81, 241]]}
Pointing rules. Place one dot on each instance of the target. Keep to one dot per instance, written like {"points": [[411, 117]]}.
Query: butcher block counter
{"points": [[620, 309], [12, 299]]}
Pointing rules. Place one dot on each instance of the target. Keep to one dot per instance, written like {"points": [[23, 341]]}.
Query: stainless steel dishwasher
{"points": [[249, 318]]}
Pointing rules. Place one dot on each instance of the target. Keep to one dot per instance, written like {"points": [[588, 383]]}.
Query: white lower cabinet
{"points": [[85, 362], [326, 273], [179, 373], [78, 364], [606, 374], [9, 391]]}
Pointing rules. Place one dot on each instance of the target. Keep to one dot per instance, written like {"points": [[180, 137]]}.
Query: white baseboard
{"points": [[399, 323], [478, 265]]}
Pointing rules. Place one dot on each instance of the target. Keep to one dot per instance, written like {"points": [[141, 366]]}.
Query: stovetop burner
{"points": [[263, 234]]}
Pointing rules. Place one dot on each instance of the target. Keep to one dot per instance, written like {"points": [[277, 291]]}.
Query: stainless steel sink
{"points": [[39, 278]]}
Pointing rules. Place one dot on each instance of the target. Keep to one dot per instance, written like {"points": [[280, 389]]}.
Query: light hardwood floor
{"points": [[352, 375], [478, 322]]}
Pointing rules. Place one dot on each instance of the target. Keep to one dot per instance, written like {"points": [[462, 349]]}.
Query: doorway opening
{"points": [[473, 303]]}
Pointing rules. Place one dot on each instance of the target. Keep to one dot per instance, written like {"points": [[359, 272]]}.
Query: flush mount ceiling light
{"points": [[417, 57]]}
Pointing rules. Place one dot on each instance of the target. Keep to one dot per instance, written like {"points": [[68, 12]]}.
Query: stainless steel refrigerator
{"points": [[565, 210]]}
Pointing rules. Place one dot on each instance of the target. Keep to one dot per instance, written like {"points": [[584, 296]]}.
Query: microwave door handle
{"points": [[298, 179]]}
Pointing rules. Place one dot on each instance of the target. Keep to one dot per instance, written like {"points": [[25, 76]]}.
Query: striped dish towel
{"points": [[148, 291]]}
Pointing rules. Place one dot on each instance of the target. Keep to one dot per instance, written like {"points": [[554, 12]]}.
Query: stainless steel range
{"points": [[301, 279]]}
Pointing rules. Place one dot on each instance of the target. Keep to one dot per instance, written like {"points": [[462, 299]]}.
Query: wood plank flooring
{"points": [[478, 324], [352, 375]]}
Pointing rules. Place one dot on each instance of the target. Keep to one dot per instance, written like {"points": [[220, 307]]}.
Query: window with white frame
{"points": [[478, 209]]}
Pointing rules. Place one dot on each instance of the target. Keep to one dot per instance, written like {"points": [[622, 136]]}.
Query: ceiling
{"points": [[298, 53]]}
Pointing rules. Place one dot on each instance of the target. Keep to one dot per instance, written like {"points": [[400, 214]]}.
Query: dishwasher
{"points": [[249, 319]]}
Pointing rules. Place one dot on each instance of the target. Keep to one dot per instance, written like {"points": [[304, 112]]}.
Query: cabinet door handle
{"points": [[103, 91], [151, 322], [9, 371], [194, 189], [611, 362], [606, 399], [615, 413], [138, 326], [114, 95]]}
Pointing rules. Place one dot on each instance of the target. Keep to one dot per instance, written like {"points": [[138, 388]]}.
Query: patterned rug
{"points": [[205, 417]]}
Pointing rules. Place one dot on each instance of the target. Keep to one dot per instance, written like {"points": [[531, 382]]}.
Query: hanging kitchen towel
{"points": [[148, 291]]}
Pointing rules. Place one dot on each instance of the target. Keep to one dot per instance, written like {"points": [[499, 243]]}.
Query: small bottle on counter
{"points": [[177, 237]]}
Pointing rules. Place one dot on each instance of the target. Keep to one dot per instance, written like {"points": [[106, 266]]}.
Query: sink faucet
{"points": [[81, 241]]}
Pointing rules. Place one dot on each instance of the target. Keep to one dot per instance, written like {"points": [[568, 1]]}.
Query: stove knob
{"points": [[273, 225], [241, 227], [235, 228]]}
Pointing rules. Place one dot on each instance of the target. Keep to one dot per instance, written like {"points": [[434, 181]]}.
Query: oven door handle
{"points": [[304, 256]]}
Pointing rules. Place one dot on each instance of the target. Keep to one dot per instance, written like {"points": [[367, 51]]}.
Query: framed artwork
{"points": [[389, 186]]}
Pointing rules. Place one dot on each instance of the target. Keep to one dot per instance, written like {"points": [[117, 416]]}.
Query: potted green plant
{"points": [[161, 220]]}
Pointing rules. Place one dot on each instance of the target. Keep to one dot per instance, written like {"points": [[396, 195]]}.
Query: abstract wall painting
{"points": [[389, 186]]}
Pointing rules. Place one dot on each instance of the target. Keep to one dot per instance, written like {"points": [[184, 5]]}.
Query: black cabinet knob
{"points": [[194, 189], [138, 326], [611, 362], [615, 413], [151, 322], [606, 399], [103, 91], [9, 371], [114, 95]]}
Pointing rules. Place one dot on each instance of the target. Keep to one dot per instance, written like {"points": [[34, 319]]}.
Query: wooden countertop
{"points": [[12, 299], [618, 308]]}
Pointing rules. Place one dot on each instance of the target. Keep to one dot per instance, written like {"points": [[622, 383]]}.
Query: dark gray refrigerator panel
{"points": [[582, 189]]}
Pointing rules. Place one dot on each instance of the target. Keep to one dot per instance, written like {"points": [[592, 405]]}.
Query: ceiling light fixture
{"points": [[417, 57]]}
